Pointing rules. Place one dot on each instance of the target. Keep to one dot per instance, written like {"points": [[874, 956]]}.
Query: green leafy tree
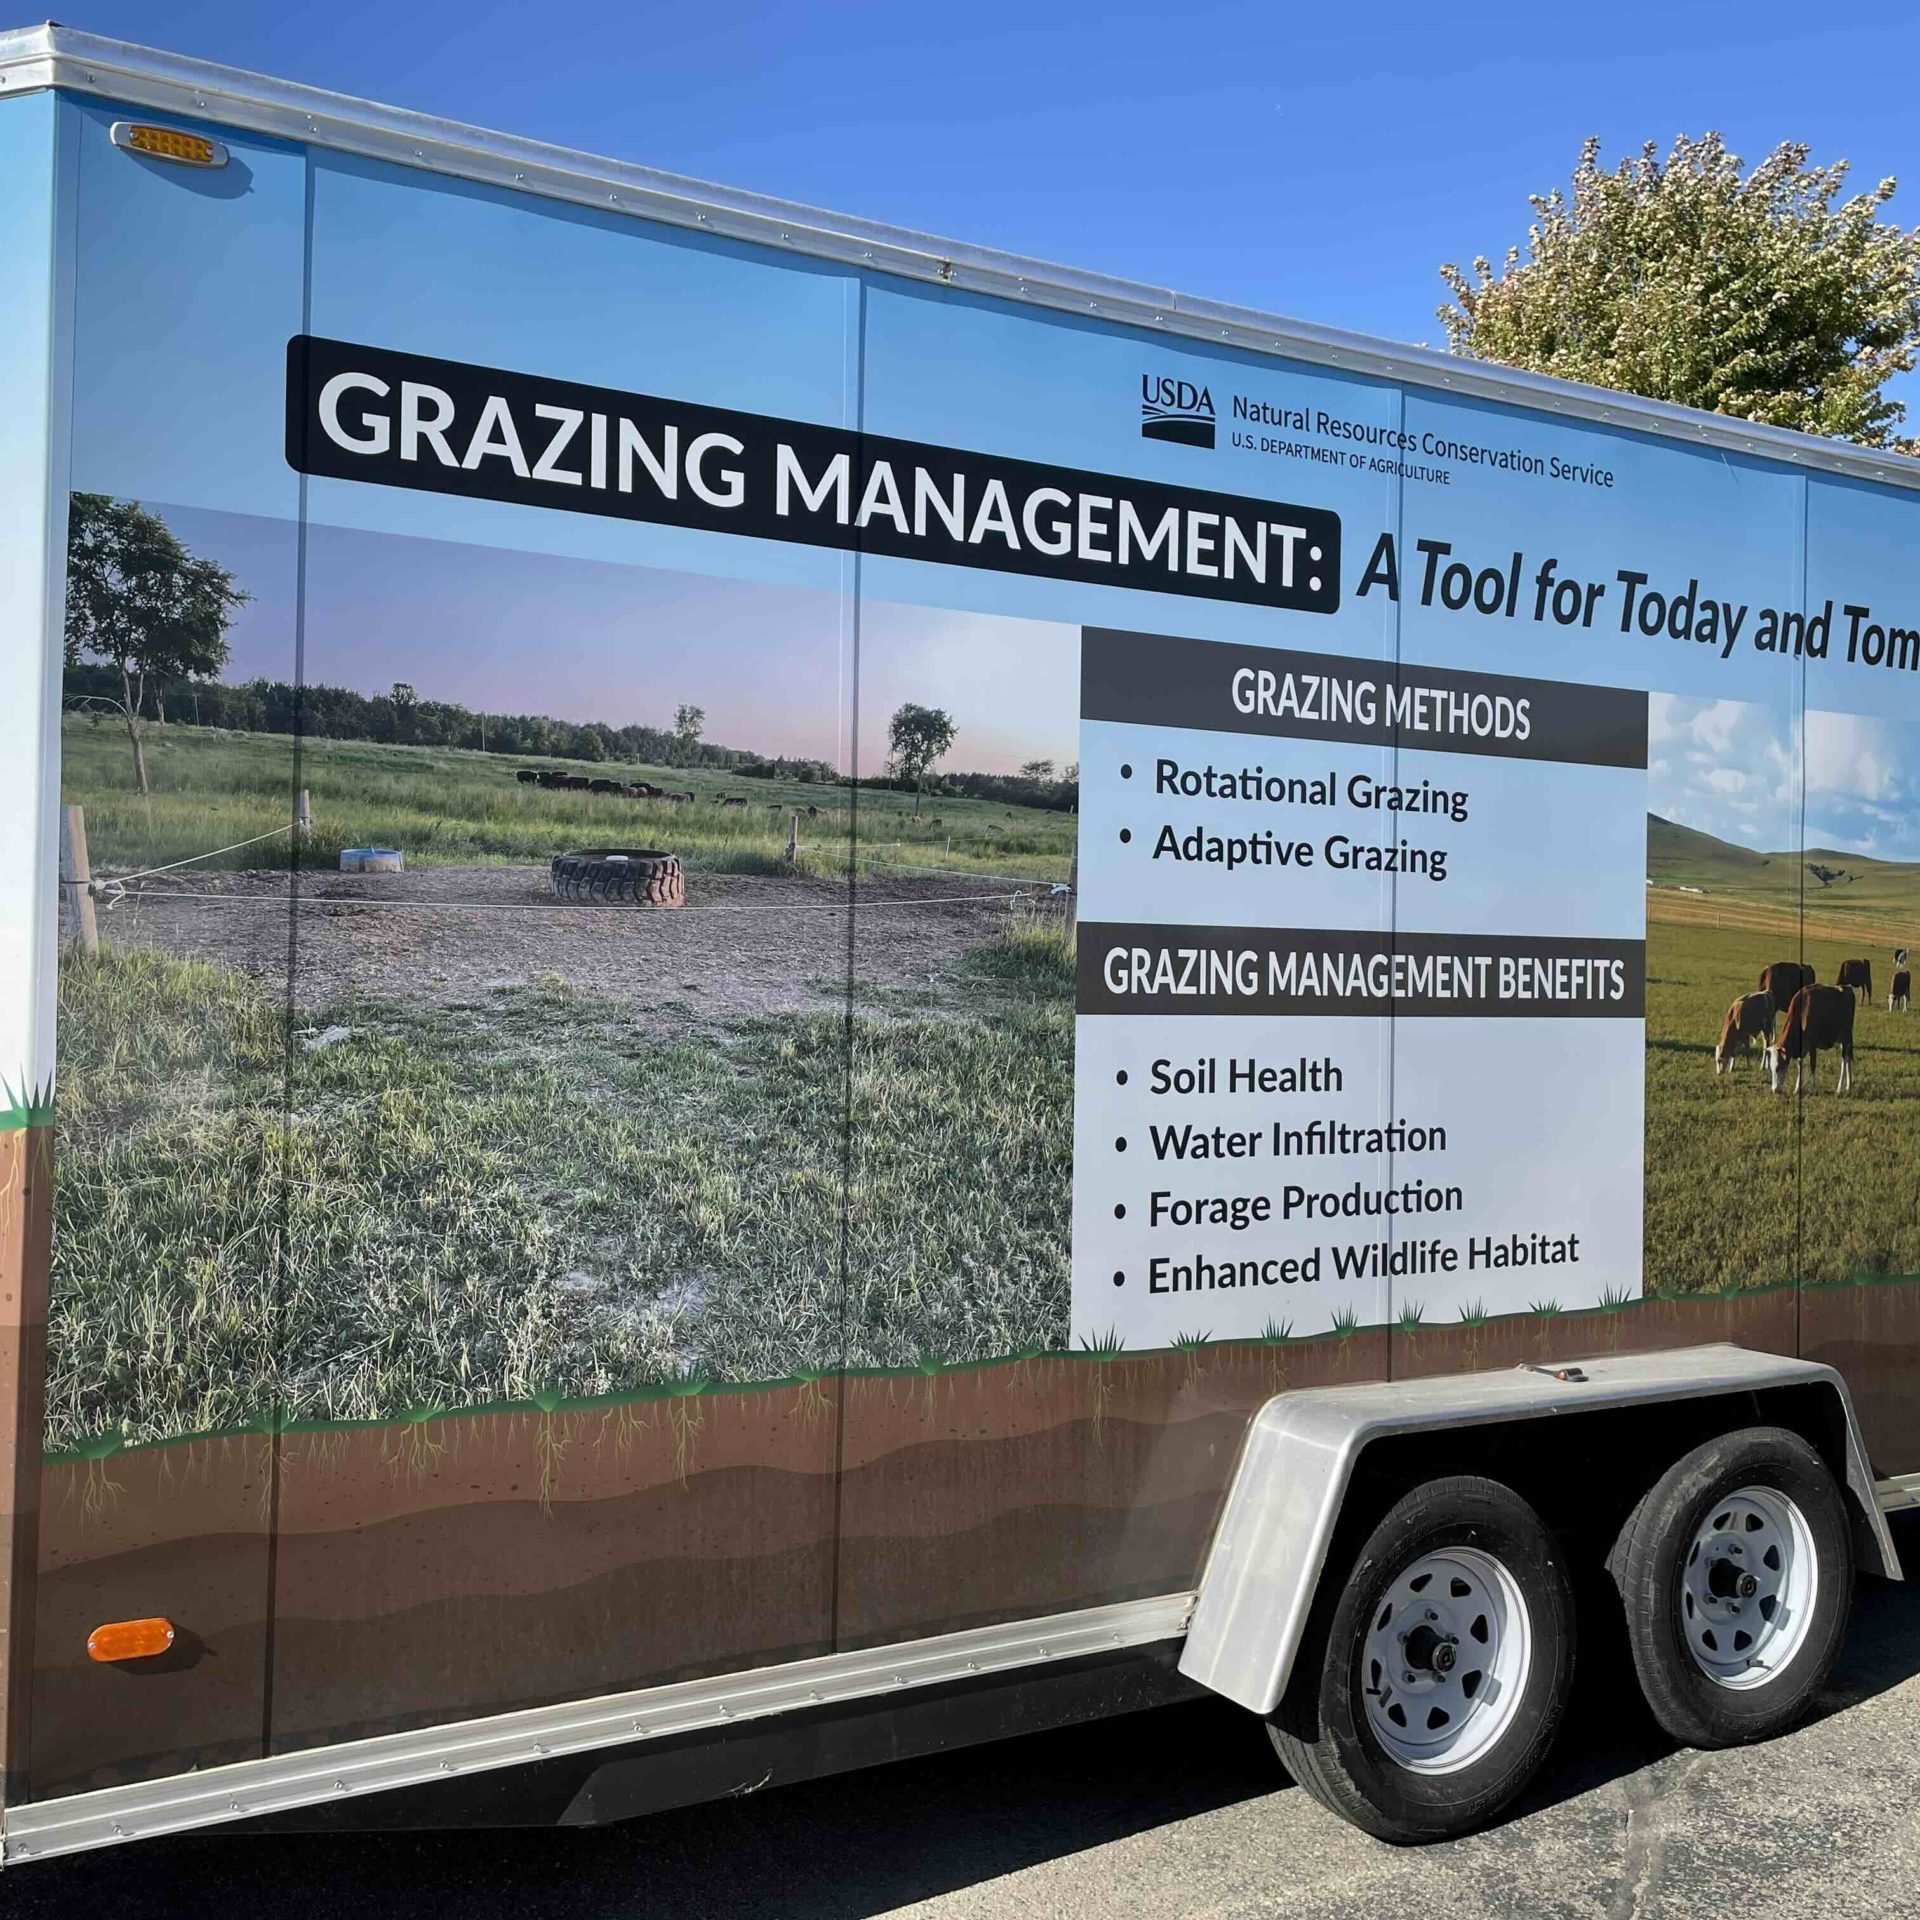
{"points": [[406, 709], [688, 725], [140, 602], [1762, 295], [916, 737]]}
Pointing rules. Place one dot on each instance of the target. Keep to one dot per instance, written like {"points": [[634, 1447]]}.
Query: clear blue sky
{"points": [[1318, 161]]}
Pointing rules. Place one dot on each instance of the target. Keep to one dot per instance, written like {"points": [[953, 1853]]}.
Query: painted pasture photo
{"points": [[1783, 1068]]}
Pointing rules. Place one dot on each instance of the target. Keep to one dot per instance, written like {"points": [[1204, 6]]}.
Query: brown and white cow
{"points": [[1750, 1018], [1857, 973], [1784, 979], [1902, 986], [1817, 1018]]}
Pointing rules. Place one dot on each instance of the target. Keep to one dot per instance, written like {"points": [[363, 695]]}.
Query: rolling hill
{"points": [[1841, 895]]}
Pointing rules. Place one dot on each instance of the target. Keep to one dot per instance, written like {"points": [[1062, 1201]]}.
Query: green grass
{"points": [[448, 1209], [451, 807], [1745, 1188]]}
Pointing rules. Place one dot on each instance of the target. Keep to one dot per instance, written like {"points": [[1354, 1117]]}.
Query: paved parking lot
{"points": [[1179, 1812]]}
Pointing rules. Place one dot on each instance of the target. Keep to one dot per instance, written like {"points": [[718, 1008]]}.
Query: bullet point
{"points": [[1119, 1279], [1126, 772], [1120, 1078], [1120, 1211], [1126, 834], [1120, 1145]]}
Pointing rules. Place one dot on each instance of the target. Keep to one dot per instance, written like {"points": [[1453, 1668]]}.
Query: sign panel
{"points": [[1231, 1171]]}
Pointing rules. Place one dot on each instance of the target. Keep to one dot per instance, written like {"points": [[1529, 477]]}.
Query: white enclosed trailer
{"points": [[808, 993]]}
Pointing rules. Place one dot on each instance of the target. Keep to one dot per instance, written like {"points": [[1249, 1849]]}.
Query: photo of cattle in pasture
{"points": [[1783, 1063]]}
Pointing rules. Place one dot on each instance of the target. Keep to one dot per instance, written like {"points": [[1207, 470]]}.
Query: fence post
{"points": [[303, 819], [793, 838], [1073, 893], [76, 876]]}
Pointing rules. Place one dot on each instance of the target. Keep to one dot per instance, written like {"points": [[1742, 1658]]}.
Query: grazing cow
{"points": [[603, 786], [1857, 973], [572, 782], [1750, 1018], [1818, 1018], [813, 813], [731, 800], [1784, 979], [528, 777], [1902, 985]]}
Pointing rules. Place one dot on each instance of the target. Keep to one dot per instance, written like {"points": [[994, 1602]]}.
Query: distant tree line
{"points": [[402, 718]]}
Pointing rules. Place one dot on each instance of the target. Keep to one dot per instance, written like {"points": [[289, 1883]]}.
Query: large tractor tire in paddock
{"points": [[635, 877]]}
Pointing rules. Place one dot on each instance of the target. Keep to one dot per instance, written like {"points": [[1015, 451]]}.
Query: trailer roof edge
{"points": [[33, 58]]}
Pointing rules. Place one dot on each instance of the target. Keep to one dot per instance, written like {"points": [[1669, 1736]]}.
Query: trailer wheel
{"points": [[1736, 1576], [1433, 1678]]}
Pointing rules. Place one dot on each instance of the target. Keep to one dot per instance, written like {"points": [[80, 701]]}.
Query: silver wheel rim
{"points": [[1749, 1589], [1445, 1660]]}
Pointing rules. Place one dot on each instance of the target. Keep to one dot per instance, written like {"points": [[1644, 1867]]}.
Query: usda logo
{"points": [[1175, 410]]}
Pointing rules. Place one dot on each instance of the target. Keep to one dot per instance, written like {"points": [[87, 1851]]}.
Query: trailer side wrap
{"points": [[772, 939], [33, 356]]}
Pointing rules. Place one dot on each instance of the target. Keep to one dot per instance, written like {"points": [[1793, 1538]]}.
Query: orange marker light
{"points": [[169, 143], [130, 1640]]}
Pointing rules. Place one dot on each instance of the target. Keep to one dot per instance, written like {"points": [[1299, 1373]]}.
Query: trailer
{"points": [[774, 993]]}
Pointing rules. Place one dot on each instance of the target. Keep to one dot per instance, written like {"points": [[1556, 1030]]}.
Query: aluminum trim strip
{"points": [[36, 57], [248, 1788], [1899, 1492]]}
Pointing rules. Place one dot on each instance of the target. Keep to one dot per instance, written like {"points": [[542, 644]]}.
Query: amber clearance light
{"points": [[169, 143], [130, 1640]]}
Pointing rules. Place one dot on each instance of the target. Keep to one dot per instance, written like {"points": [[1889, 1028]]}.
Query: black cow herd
{"points": [[552, 782], [580, 783], [1818, 1018]]}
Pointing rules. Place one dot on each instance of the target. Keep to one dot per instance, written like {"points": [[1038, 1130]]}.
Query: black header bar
{"points": [[441, 426], [1148, 679], [1265, 970]]}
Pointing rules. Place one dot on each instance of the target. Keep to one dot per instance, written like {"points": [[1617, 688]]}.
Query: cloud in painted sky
{"points": [[1724, 767], [1863, 785]]}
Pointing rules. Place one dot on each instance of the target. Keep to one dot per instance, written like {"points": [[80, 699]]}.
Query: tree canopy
{"points": [[1763, 295], [916, 737], [142, 603]]}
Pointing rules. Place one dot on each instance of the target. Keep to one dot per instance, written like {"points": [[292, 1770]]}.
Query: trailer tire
{"points": [[639, 877], [1439, 1746], [1735, 1574]]}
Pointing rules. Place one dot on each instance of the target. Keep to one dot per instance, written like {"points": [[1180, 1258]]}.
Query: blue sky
{"points": [[1320, 162]]}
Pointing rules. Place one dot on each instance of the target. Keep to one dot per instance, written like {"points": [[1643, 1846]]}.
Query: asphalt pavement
{"points": [[1181, 1811]]}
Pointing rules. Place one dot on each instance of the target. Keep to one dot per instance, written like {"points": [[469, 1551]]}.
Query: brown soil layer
{"points": [[1017, 1490], [179, 1531], [26, 1236], [1764, 1322], [1870, 1333], [469, 1565]]}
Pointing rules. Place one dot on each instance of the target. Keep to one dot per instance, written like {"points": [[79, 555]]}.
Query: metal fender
{"points": [[1270, 1548]]}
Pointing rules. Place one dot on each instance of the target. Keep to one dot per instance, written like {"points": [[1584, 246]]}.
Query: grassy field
{"points": [[450, 807], [456, 1211], [451, 1206], [1744, 1188]]}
